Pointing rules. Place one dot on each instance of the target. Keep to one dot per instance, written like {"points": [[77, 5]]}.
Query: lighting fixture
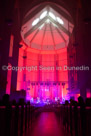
{"points": [[52, 15], [43, 14], [35, 21], [60, 21]]}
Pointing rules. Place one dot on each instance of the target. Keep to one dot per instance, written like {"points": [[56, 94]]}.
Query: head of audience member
{"points": [[88, 101], [80, 101], [5, 99]]}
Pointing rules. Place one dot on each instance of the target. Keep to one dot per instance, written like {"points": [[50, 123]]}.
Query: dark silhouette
{"points": [[80, 101]]}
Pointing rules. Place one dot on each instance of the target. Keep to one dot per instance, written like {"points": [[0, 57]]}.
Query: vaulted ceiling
{"points": [[47, 27]]}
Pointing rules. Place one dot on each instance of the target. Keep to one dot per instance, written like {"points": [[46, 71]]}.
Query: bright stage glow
{"points": [[56, 99], [52, 15], [31, 100], [46, 89], [35, 22], [43, 14], [60, 21]]}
